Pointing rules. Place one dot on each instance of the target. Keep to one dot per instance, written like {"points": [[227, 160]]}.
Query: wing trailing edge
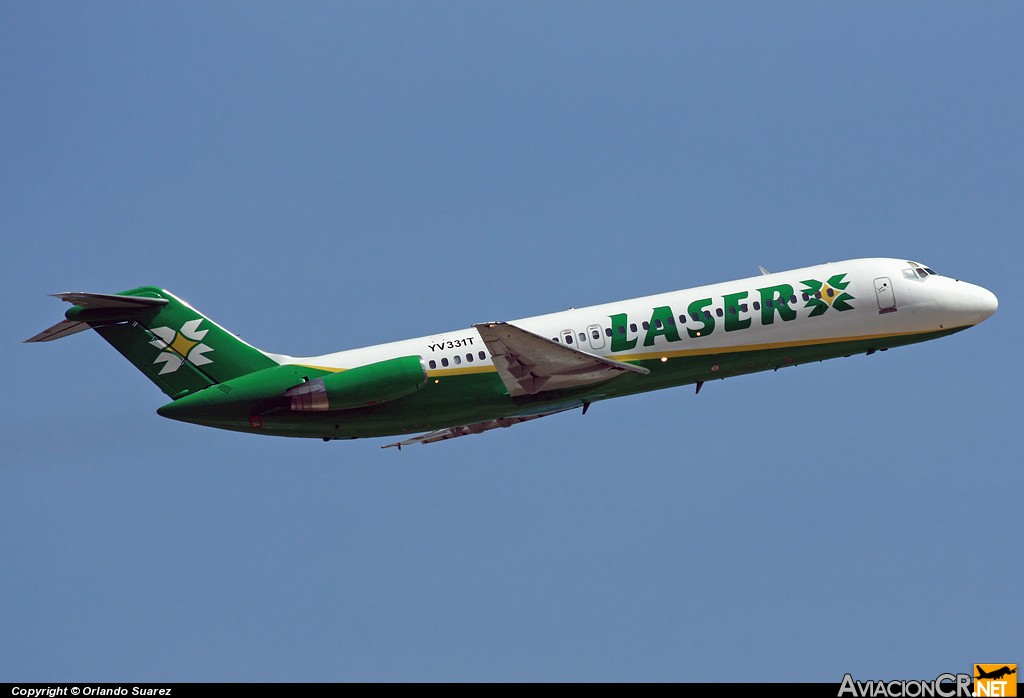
{"points": [[475, 428], [529, 364]]}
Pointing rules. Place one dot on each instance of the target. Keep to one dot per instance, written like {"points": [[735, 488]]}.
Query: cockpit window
{"points": [[918, 272]]}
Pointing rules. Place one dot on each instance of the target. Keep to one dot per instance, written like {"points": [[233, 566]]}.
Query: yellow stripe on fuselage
{"points": [[674, 353], [737, 348], [460, 371], [329, 369]]}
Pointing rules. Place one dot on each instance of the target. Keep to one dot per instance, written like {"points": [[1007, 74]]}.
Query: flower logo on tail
{"points": [[177, 347]]}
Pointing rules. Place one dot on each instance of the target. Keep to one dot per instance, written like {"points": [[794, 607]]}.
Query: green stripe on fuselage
{"points": [[461, 397]]}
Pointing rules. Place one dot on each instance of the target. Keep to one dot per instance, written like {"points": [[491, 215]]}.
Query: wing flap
{"points": [[475, 428], [529, 364]]}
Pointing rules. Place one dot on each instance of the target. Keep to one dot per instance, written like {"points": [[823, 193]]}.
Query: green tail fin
{"points": [[177, 347]]}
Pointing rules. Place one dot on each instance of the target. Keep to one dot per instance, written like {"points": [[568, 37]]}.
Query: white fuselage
{"points": [[886, 297]]}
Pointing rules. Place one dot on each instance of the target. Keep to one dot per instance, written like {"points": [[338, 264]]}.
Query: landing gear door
{"points": [[886, 298]]}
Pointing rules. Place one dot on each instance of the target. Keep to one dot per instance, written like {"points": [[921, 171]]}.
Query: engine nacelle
{"points": [[360, 387]]}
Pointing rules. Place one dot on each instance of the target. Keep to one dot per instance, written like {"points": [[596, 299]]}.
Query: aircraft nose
{"points": [[976, 304], [989, 303]]}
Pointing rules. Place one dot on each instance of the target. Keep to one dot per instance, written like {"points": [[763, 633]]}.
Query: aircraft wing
{"points": [[529, 364], [475, 428]]}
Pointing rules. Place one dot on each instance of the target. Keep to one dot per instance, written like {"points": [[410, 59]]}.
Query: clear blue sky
{"points": [[320, 176]]}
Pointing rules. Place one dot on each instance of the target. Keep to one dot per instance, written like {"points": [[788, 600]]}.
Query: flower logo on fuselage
{"points": [[181, 346], [831, 294]]}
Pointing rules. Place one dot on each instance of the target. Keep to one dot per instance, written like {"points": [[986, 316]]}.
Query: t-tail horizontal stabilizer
{"points": [[97, 307]]}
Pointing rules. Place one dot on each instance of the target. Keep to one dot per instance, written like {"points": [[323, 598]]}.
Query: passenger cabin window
{"points": [[457, 359], [481, 355], [444, 361], [433, 364]]}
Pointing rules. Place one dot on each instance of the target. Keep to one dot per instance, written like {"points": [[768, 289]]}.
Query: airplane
{"points": [[498, 374], [996, 674]]}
